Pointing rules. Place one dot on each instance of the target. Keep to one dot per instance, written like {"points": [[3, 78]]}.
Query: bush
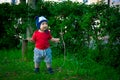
{"points": [[78, 23]]}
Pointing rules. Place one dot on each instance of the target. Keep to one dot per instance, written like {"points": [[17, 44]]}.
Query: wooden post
{"points": [[24, 48]]}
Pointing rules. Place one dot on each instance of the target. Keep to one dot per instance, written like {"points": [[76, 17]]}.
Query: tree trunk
{"points": [[23, 1], [109, 2], [32, 3]]}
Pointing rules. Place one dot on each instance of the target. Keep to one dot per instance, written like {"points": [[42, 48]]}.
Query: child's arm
{"points": [[55, 39]]}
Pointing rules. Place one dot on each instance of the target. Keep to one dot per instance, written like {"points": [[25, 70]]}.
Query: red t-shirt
{"points": [[41, 39]]}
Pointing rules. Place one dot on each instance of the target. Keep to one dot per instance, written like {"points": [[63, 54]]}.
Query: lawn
{"points": [[14, 67]]}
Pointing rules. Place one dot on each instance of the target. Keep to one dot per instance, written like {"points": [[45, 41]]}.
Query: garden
{"points": [[89, 46]]}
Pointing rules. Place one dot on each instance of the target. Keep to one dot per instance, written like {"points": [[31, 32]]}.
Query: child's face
{"points": [[44, 26]]}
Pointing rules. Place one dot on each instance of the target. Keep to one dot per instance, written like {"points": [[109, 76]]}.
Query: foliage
{"points": [[13, 21], [80, 25]]}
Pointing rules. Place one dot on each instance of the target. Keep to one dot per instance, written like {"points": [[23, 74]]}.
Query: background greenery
{"points": [[77, 22]]}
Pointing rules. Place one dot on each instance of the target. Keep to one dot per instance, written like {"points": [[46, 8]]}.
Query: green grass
{"points": [[13, 67]]}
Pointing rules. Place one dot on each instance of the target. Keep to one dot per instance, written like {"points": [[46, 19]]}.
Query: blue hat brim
{"points": [[38, 24]]}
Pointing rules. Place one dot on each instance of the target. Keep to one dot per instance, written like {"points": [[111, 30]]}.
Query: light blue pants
{"points": [[42, 54]]}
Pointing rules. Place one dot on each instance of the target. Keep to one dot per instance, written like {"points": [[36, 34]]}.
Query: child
{"points": [[41, 39]]}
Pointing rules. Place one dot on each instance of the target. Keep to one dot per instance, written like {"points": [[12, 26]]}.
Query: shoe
{"points": [[36, 70], [50, 70]]}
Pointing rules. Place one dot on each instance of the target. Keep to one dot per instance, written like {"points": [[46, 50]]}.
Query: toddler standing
{"points": [[42, 48]]}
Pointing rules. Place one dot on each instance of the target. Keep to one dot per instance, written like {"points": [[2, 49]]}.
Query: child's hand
{"points": [[55, 39], [29, 39]]}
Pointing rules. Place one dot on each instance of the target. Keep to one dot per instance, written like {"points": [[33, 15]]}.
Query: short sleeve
{"points": [[34, 36]]}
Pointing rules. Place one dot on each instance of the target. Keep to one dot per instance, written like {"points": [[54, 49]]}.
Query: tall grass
{"points": [[13, 67]]}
